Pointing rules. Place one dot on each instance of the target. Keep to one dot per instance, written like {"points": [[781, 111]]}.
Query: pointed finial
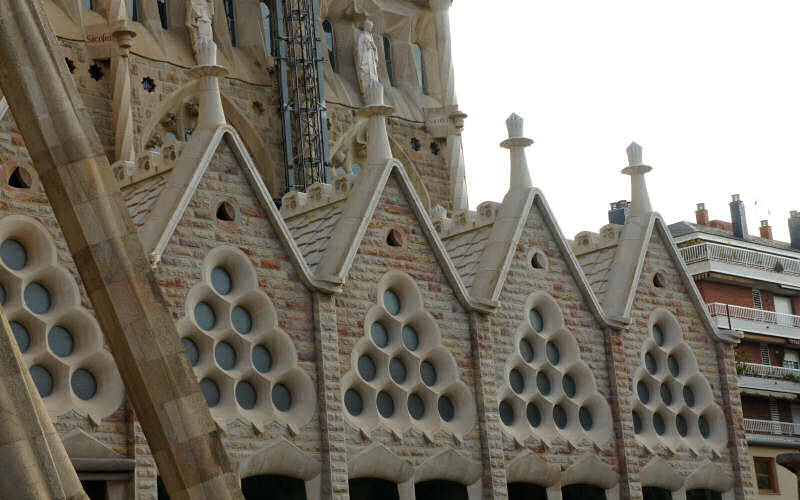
{"points": [[640, 199], [516, 143], [378, 148]]}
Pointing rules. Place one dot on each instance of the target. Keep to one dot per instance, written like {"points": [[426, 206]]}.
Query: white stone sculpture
{"points": [[366, 57], [199, 18]]}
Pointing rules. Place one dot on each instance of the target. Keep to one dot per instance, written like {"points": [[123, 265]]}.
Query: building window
{"points": [[765, 475], [162, 13], [365, 488], [653, 493], [271, 486], [327, 28], [387, 53], [583, 492], [526, 491], [703, 495], [791, 359], [439, 488], [88, 4], [231, 19], [266, 27], [420, 68], [133, 10]]}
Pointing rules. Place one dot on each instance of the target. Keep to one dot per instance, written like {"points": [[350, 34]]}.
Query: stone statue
{"points": [[199, 16], [366, 57]]}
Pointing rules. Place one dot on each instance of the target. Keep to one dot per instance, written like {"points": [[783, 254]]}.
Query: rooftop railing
{"points": [[768, 371], [739, 256], [771, 427], [729, 311]]}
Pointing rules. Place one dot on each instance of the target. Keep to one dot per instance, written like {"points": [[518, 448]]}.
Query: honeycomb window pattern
{"points": [[61, 341], [245, 363], [547, 391], [401, 375], [673, 403]]}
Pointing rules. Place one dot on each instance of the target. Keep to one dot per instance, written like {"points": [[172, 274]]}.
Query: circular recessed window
{"points": [[262, 359], [394, 238], [410, 338], [210, 392], [543, 383], [385, 404], [516, 381], [658, 335], [13, 254], [37, 298], [353, 402], [397, 370], [241, 319], [559, 416], [536, 320], [246, 395], [20, 178], [391, 302], [674, 367], [568, 383], [281, 397], [60, 341], [658, 280], [506, 413], [221, 281], [539, 261], [204, 316], [666, 394], [650, 363], [705, 429], [643, 392], [192, 352], [42, 380], [226, 212], [526, 350], [225, 355], [585, 417], [366, 368], [446, 409], [658, 424], [680, 423], [688, 396], [83, 384], [534, 415], [637, 423], [21, 335], [553, 354], [416, 406], [379, 335], [428, 373]]}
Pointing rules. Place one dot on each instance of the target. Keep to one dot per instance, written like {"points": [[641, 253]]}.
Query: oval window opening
{"points": [[394, 239], [226, 212]]}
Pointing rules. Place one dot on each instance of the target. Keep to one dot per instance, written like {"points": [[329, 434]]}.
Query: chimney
{"points": [[738, 218], [794, 228], [619, 212], [701, 214], [765, 230]]}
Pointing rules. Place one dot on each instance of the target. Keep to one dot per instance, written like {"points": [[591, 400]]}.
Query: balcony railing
{"points": [[768, 371], [771, 427], [752, 314], [739, 256]]}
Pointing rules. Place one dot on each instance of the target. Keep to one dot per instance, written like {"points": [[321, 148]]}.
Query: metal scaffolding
{"points": [[303, 111]]}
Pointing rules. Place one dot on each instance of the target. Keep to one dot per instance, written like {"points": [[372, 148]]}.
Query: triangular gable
{"points": [[505, 235], [357, 213], [183, 182], [656, 226]]}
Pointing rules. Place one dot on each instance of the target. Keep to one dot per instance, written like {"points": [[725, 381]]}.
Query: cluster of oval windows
{"points": [[245, 364], [548, 388], [673, 399], [401, 368]]}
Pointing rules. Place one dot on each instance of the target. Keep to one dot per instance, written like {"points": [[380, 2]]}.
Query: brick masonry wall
{"points": [[432, 167], [559, 283], [734, 295], [374, 259], [675, 298]]}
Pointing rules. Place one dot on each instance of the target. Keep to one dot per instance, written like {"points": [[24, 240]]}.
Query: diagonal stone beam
{"points": [[35, 464], [130, 307]]}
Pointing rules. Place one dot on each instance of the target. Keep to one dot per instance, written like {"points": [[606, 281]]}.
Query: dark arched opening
{"points": [[526, 491], [438, 489], [582, 492], [703, 495], [654, 493], [370, 488], [273, 487], [327, 28]]}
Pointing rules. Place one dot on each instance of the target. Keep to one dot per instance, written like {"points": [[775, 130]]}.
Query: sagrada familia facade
{"points": [[237, 261]]}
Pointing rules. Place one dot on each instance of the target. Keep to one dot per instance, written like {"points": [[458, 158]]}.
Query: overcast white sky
{"points": [[709, 88]]}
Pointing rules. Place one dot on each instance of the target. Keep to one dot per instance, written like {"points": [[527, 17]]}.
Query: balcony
{"points": [[734, 261], [749, 319], [771, 427], [768, 378]]}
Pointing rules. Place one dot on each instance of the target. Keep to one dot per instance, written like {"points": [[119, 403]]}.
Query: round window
{"points": [[262, 359], [650, 363], [246, 395], [536, 320], [446, 409], [43, 380], [506, 413], [666, 394], [416, 406], [397, 370], [526, 350], [225, 356], [221, 281], [534, 415], [674, 367], [37, 298], [516, 380], [210, 392], [569, 386], [428, 373], [553, 354], [366, 368], [705, 429], [688, 396], [379, 335], [391, 302], [241, 319], [658, 424], [680, 423], [585, 416], [13, 255], [21, 335], [204, 316], [643, 392], [192, 352], [281, 397], [353, 402], [543, 383], [559, 416], [83, 384], [60, 341], [658, 335], [637, 423], [410, 338], [385, 404]]}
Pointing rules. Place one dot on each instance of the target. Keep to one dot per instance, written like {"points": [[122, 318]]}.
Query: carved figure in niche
{"points": [[199, 16], [366, 57]]}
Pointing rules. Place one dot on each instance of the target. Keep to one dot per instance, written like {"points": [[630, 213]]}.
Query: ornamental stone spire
{"points": [[378, 149], [640, 199], [516, 143], [208, 72]]}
